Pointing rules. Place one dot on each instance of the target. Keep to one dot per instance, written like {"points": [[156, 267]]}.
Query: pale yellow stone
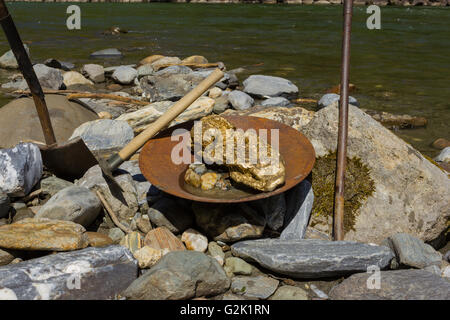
{"points": [[194, 240], [215, 93], [73, 77], [150, 59], [195, 59], [147, 256]]}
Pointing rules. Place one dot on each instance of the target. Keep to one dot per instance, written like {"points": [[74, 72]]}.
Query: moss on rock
{"points": [[358, 187]]}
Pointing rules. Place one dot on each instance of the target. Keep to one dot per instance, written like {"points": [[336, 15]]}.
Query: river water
{"points": [[402, 68]]}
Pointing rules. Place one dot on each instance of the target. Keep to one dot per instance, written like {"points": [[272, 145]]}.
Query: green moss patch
{"points": [[358, 187]]}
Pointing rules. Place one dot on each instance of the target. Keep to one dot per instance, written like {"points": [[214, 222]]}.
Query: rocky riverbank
{"points": [[405, 3], [57, 234]]}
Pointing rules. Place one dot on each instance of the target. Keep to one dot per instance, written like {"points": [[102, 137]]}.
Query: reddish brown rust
{"points": [[156, 164]]}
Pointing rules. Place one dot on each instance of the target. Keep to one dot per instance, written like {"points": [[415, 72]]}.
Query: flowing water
{"points": [[402, 68]]}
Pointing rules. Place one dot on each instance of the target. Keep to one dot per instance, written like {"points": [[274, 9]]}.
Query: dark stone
{"points": [[394, 285], [101, 273], [313, 258], [180, 275]]}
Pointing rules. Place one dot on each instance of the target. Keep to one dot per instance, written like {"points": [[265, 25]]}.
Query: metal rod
{"points": [[27, 70], [338, 221]]}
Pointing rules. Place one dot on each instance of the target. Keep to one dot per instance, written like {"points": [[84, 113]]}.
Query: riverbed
{"points": [[402, 68]]}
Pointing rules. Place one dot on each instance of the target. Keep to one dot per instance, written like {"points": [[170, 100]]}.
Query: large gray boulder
{"points": [[88, 274], [276, 102], [104, 134], [76, 204], [262, 86], [393, 285], [20, 169], [50, 78], [412, 195], [313, 258], [240, 100], [8, 60], [180, 275]]}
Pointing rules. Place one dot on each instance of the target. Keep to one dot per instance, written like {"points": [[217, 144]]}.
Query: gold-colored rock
{"points": [[209, 180], [246, 167]]}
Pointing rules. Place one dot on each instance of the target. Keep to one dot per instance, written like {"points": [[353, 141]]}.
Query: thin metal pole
{"points": [[27, 70], [338, 223]]}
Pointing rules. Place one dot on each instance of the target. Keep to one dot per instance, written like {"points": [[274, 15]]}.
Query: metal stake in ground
{"points": [[338, 223]]}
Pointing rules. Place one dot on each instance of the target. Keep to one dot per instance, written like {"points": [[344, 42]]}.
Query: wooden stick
{"points": [[111, 213], [106, 96], [190, 65]]}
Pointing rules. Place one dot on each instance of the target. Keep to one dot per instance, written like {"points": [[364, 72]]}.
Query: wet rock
{"points": [[180, 275], [8, 60], [240, 100], [50, 78], [215, 251], [228, 222], [15, 84], [97, 239], [440, 143], [125, 203], [296, 117], [411, 193], [94, 72], [107, 53], [53, 185], [43, 234], [20, 169], [300, 201], [411, 251], [124, 75], [140, 119], [5, 257], [330, 98], [289, 293], [394, 285], [237, 266], [444, 155], [194, 240], [164, 62], [261, 86], [276, 102], [4, 205], [254, 287], [76, 204], [161, 238], [167, 213], [147, 256], [74, 275], [195, 59], [74, 78], [104, 134], [313, 258], [116, 235]]}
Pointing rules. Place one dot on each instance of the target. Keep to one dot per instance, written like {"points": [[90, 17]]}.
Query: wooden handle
{"points": [[171, 114]]}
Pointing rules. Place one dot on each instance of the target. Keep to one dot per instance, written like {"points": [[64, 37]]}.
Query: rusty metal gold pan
{"points": [[159, 169]]}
